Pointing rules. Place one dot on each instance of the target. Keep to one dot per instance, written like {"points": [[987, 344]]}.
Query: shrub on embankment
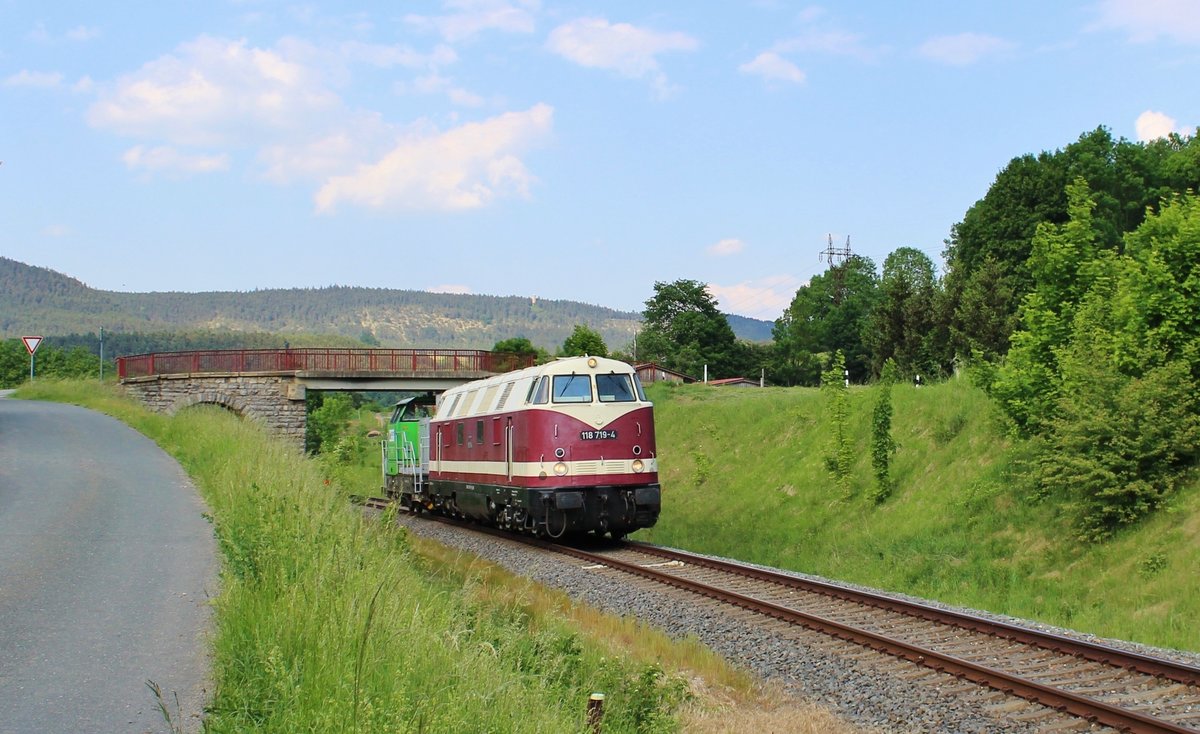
{"points": [[330, 621], [745, 474]]}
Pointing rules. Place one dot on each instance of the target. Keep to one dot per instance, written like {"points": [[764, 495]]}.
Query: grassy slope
{"points": [[329, 621], [744, 476]]}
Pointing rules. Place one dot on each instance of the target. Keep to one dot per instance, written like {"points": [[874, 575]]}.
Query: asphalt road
{"points": [[106, 567]]}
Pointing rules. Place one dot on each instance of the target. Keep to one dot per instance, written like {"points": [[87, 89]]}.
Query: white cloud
{"points": [[762, 298], [225, 94], [79, 33], [1151, 125], [963, 49], [726, 247], [1147, 20], [82, 33], [463, 98], [437, 84], [771, 66], [471, 17], [450, 288], [626, 49], [215, 92], [34, 79], [463, 168], [166, 159], [832, 42], [311, 160], [385, 56], [56, 230], [189, 110]]}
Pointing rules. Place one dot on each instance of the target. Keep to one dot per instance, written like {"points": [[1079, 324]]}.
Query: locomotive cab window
{"points": [[541, 395], [572, 389], [614, 388]]}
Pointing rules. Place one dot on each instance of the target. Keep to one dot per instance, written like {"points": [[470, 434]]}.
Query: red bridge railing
{"points": [[383, 361]]}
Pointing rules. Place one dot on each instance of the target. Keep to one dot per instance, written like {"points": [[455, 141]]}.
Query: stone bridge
{"points": [[271, 385]]}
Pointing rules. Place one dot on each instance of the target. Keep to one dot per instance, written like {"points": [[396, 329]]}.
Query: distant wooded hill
{"points": [[36, 300]]}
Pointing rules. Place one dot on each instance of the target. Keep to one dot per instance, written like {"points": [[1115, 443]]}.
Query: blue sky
{"points": [[564, 150]]}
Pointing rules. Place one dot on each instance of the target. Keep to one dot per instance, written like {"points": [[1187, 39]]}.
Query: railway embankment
{"points": [[746, 474]]}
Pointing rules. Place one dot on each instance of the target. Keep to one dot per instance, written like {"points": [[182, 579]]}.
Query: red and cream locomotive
{"points": [[563, 448]]}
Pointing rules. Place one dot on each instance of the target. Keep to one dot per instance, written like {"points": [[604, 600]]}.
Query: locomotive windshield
{"points": [[572, 389], [410, 410], [614, 388]]}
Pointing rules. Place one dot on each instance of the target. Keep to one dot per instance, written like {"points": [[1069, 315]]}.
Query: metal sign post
{"points": [[31, 345]]}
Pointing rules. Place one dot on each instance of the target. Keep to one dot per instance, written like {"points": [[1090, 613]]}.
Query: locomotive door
{"points": [[508, 449], [438, 452]]}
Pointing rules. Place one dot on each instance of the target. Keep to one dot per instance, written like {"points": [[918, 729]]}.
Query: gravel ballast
{"points": [[860, 686]]}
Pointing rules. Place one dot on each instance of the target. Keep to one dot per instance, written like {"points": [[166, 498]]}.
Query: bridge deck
{"points": [[364, 362]]}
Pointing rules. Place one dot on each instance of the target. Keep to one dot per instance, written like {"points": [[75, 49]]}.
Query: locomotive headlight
{"points": [[592, 362], [638, 466], [560, 468]]}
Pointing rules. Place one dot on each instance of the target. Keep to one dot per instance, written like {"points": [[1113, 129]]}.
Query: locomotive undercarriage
{"points": [[552, 513]]}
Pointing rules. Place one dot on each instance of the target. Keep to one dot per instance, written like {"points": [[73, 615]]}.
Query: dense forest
{"points": [[38, 300]]}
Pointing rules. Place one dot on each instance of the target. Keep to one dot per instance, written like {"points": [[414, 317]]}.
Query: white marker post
{"points": [[31, 345]]}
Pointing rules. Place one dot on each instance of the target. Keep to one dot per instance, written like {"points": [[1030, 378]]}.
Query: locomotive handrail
{"points": [[389, 361]]}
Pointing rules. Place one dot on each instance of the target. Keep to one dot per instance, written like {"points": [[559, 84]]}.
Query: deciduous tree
{"points": [[684, 330], [903, 323], [584, 340], [831, 313]]}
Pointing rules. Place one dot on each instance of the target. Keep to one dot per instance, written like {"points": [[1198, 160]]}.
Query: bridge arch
{"points": [[232, 403]]}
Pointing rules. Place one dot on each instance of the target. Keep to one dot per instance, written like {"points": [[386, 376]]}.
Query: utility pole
{"points": [[101, 354], [836, 255]]}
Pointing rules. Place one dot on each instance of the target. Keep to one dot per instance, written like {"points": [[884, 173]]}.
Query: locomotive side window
{"points": [[572, 389], [479, 432], [614, 389], [541, 396], [460, 434]]}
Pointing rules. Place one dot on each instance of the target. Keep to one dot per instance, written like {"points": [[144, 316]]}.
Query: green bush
{"points": [[1120, 445]]}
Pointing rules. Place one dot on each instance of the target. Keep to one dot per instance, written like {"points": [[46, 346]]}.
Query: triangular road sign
{"points": [[31, 343]]}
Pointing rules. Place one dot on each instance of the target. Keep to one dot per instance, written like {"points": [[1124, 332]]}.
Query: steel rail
{"points": [[1158, 667], [1085, 707], [1058, 699]]}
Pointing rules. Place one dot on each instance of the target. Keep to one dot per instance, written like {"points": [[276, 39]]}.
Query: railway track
{"points": [[1098, 684]]}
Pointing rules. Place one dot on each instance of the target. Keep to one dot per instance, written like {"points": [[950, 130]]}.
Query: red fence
{"points": [[383, 361]]}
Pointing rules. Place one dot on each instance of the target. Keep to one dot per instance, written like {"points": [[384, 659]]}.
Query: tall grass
{"points": [[330, 621], [744, 475]]}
